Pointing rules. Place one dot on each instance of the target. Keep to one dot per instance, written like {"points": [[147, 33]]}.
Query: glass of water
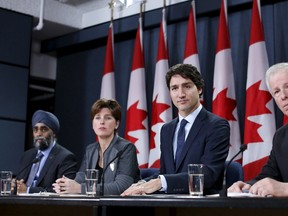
{"points": [[196, 179], [91, 178], [6, 182]]}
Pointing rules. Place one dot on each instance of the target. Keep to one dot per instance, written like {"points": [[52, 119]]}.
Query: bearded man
{"points": [[48, 160]]}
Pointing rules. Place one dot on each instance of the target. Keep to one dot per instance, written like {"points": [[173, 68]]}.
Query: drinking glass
{"points": [[196, 179], [91, 178], [6, 182]]}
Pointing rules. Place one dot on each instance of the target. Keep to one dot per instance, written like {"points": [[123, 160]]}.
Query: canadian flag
{"points": [[161, 104], [191, 51], [285, 119], [224, 99], [259, 124], [108, 79], [136, 117]]}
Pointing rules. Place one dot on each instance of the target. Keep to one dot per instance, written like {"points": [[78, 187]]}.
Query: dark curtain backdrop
{"points": [[79, 71], [15, 50]]}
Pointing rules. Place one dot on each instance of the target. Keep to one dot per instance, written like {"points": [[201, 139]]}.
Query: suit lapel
{"points": [[32, 156], [113, 152], [169, 139], [93, 157], [196, 127]]}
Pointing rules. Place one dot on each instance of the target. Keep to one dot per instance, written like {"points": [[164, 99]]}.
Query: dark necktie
{"points": [[180, 141], [34, 170]]}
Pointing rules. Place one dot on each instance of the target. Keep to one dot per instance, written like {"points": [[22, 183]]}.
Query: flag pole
{"points": [[142, 4], [141, 8], [194, 12], [111, 6], [108, 79]]}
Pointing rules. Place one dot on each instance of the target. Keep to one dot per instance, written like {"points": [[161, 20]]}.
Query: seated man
{"points": [[273, 179], [53, 160], [205, 139]]}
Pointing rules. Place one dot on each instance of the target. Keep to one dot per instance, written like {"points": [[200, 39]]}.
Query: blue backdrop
{"points": [[81, 58]]}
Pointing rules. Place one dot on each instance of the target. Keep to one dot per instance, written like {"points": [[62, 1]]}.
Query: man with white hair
{"points": [[273, 179], [47, 161]]}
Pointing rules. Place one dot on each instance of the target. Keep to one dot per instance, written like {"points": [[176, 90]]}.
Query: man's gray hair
{"points": [[273, 70]]}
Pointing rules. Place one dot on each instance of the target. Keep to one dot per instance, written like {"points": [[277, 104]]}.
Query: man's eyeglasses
{"points": [[42, 129]]}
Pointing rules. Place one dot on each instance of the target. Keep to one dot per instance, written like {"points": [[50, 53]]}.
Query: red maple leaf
{"points": [[256, 101], [157, 108], [224, 106], [135, 117]]}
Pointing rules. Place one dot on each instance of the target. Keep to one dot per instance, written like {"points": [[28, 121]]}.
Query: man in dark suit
{"points": [[53, 161], [206, 139], [273, 179]]}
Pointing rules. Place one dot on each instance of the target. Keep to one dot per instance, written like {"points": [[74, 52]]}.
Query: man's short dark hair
{"points": [[187, 71]]}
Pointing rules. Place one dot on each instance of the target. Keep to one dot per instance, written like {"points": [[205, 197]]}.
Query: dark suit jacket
{"points": [[124, 173], [206, 143], [59, 162], [276, 166]]}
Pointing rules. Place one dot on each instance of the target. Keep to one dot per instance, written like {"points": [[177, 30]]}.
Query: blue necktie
{"points": [[34, 169], [180, 141]]}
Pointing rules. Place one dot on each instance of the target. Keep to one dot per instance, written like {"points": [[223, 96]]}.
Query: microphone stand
{"points": [[223, 192], [35, 160], [104, 170]]}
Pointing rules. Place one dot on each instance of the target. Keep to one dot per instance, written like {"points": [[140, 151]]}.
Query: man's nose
{"points": [[284, 94], [181, 92]]}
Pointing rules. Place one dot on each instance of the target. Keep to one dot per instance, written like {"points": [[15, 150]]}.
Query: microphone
{"points": [[223, 192], [35, 160], [104, 170]]}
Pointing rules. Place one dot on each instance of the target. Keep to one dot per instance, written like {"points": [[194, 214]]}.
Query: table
{"points": [[180, 205], [142, 205], [48, 205]]}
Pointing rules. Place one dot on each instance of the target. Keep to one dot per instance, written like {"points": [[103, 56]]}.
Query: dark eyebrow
{"points": [[187, 83], [173, 86]]}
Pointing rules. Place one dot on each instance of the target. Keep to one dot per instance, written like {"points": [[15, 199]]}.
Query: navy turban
{"points": [[46, 118]]}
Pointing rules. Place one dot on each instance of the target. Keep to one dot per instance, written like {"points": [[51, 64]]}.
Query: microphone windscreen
{"points": [[243, 147]]}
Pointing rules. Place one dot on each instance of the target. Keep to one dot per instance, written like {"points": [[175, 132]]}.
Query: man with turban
{"points": [[47, 161]]}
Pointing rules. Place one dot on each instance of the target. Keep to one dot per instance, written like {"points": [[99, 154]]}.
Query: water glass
{"points": [[196, 179], [91, 178], [6, 182]]}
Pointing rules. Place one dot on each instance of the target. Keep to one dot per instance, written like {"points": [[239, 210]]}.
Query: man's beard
{"points": [[42, 143]]}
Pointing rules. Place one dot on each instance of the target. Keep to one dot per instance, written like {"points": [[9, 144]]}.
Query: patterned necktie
{"points": [[34, 170], [180, 141]]}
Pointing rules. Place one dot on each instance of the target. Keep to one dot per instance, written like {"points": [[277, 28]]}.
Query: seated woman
{"points": [[122, 172]]}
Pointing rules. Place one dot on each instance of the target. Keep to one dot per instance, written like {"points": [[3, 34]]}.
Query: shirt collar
{"points": [[192, 116]]}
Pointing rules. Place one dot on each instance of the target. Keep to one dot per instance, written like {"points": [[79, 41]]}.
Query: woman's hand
{"points": [[65, 185], [239, 187]]}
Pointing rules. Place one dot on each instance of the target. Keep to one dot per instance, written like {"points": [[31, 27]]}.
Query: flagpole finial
{"points": [[111, 6], [142, 4]]}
